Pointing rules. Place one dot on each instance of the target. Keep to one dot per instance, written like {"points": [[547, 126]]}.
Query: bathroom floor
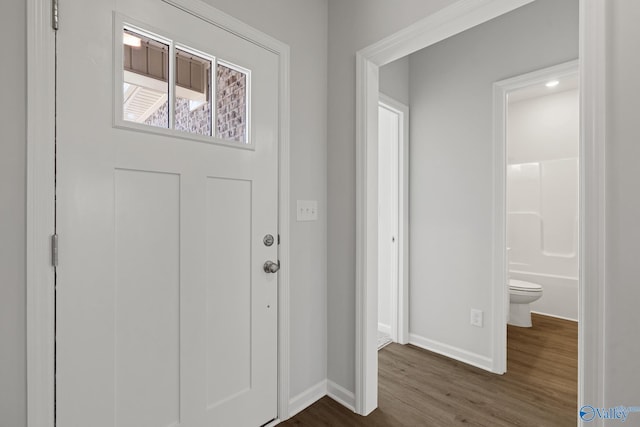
{"points": [[421, 388]]}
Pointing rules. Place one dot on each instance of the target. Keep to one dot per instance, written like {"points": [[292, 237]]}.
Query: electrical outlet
{"points": [[307, 210], [476, 317]]}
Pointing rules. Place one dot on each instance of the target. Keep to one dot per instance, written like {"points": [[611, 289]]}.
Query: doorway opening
{"points": [[537, 133], [435, 28], [537, 118]]}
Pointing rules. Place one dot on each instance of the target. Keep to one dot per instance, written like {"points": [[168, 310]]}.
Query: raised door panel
{"points": [[147, 298]]}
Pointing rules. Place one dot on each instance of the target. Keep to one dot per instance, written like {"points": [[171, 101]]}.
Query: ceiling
{"points": [[537, 90]]}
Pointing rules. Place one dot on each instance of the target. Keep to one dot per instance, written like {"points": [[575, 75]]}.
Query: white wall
{"points": [[13, 384], [544, 128], [303, 25], [622, 347], [543, 198], [451, 167]]}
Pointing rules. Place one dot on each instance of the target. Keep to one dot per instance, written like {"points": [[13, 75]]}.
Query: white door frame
{"points": [[41, 192], [400, 306], [500, 295], [450, 21]]}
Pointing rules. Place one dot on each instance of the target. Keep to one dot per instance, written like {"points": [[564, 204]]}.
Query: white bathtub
{"points": [[560, 295]]}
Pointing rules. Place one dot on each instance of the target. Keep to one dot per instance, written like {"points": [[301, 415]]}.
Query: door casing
{"points": [[41, 107]]}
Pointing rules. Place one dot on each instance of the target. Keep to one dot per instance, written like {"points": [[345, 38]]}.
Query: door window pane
{"points": [[172, 86], [193, 93], [231, 114], [146, 80]]}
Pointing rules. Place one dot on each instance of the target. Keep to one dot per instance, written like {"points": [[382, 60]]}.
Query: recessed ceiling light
{"points": [[552, 83]]}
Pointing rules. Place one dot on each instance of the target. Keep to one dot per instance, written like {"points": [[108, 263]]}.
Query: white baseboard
{"points": [[324, 388], [307, 398], [341, 395], [459, 354], [553, 315], [386, 329]]}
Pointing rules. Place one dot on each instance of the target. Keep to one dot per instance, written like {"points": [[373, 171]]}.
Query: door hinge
{"points": [[54, 15], [54, 250]]}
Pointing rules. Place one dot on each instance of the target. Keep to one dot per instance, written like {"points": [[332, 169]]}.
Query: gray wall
{"points": [[394, 80], [302, 24], [13, 382], [353, 25], [622, 347], [451, 165]]}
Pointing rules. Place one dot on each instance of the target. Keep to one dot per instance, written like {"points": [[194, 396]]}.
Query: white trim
{"points": [[40, 202], [445, 23], [565, 69], [591, 325], [400, 331], [341, 395], [500, 294], [555, 316], [40, 220], [229, 23], [385, 329], [456, 353], [284, 223], [366, 363], [307, 398]]}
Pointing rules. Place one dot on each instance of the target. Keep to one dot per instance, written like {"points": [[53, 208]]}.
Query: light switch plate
{"points": [[307, 210]]}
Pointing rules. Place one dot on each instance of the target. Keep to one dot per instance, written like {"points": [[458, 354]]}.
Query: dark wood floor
{"points": [[420, 388]]}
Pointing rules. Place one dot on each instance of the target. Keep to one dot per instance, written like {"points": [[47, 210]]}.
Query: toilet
{"points": [[521, 294]]}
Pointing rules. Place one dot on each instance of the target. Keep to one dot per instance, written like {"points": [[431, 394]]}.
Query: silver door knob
{"points": [[271, 267]]}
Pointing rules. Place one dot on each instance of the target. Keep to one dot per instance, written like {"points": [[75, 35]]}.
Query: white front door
{"points": [[165, 315]]}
